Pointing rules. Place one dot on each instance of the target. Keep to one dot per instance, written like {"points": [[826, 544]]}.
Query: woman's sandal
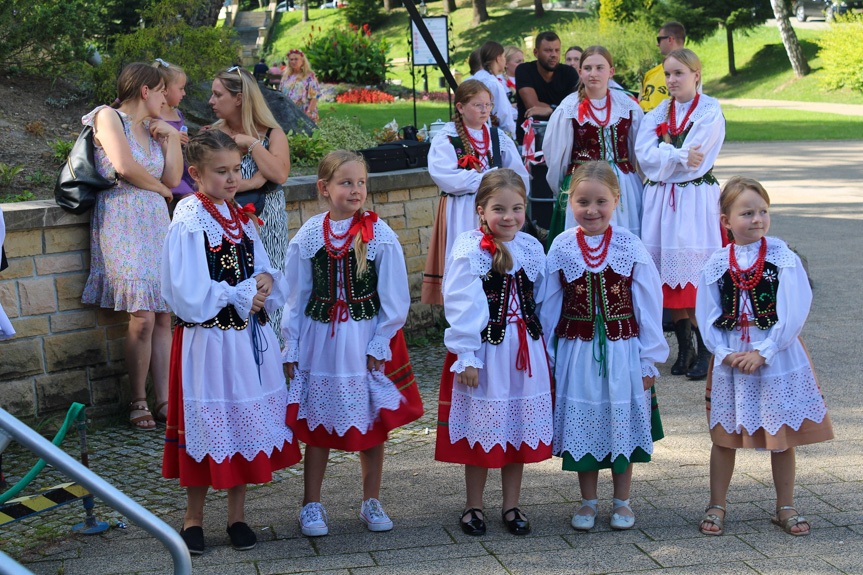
{"points": [[792, 521], [139, 413], [713, 519], [160, 417]]}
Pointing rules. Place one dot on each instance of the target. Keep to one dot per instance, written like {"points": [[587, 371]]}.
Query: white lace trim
{"points": [[649, 370], [621, 106], [525, 249], [491, 422], [340, 402], [707, 106], [379, 348], [741, 402], [460, 365], [291, 351], [678, 267], [602, 430], [778, 254], [310, 237], [242, 296], [625, 251], [223, 429], [191, 213]]}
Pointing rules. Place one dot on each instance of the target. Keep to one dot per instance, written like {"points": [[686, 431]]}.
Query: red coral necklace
{"points": [[594, 257], [338, 252], [606, 107], [748, 278], [480, 147], [232, 228], [673, 128]]}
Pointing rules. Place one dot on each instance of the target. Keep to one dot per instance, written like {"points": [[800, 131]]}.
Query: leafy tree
{"points": [[359, 12], [46, 36], [789, 38]]}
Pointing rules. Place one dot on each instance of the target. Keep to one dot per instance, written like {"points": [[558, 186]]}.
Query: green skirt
{"points": [[619, 465], [558, 214]]}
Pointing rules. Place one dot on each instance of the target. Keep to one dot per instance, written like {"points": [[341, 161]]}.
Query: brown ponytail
{"points": [[493, 182]]}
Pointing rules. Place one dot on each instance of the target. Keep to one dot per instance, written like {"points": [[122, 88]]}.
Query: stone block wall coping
{"points": [[38, 214]]}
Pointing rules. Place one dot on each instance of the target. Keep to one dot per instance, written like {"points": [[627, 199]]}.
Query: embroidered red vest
{"points": [[762, 296], [606, 291], [589, 144], [496, 287], [231, 263]]}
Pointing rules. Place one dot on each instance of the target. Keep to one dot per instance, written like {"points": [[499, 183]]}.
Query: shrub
{"points": [[341, 133], [363, 12], [306, 150], [348, 54], [632, 44], [364, 96], [842, 54], [61, 149]]}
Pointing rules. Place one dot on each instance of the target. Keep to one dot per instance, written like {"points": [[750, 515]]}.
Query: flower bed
{"points": [[364, 96]]}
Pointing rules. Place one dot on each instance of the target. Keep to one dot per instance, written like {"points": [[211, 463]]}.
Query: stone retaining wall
{"points": [[65, 351]]}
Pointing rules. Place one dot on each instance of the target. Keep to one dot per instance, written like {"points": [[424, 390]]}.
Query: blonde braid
{"points": [[361, 250], [462, 133], [666, 137]]}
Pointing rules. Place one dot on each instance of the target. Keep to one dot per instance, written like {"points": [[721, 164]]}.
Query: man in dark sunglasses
{"points": [[670, 37]]}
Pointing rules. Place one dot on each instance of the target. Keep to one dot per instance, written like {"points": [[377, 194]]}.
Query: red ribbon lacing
{"points": [[671, 201], [247, 212], [743, 321], [366, 225], [338, 313], [469, 161], [522, 357]]}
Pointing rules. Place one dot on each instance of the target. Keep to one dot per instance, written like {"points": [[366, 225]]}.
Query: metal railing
{"points": [[11, 428]]}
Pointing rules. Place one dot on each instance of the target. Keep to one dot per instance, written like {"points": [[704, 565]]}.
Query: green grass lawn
{"points": [[771, 124], [374, 116]]}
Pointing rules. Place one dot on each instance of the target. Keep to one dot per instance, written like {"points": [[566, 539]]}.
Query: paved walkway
{"points": [[818, 208], [825, 107]]}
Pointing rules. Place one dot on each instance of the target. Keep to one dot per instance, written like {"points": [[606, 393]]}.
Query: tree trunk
{"points": [[789, 39], [538, 10], [449, 6], [388, 6], [729, 35], [480, 14], [206, 16], [305, 10]]}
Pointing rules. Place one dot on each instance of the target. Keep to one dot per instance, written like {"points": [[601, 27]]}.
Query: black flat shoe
{"points": [[516, 525], [242, 536], [476, 525], [702, 363], [194, 539], [685, 352]]}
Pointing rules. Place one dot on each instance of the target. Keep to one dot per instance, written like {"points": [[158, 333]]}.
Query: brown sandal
{"points": [[159, 417], [792, 521], [139, 413]]}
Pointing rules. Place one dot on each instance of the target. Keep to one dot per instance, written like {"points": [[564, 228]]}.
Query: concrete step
{"points": [[250, 20]]}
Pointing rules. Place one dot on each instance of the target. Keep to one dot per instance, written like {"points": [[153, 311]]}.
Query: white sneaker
{"points": [[374, 516], [313, 520], [621, 522], [585, 522]]}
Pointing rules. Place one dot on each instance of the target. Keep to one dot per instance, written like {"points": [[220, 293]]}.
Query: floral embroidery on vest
{"points": [[762, 296], [360, 293]]}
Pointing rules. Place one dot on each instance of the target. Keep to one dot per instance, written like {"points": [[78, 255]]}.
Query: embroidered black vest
{"points": [[360, 293], [609, 291], [589, 144], [231, 263], [460, 151], [496, 287], [762, 296]]}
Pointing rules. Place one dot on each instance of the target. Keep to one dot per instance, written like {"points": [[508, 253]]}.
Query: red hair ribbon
{"points": [[366, 225], [248, 211], [662, 129], [583, 110], [468, 161], [487, 243]]}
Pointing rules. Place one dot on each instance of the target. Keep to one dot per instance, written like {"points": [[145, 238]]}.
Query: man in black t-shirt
{"points": [[541, 85]]}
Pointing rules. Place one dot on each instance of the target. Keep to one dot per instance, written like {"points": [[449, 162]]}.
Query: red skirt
{"points": [[236, 470], [461, 451], [400, 372], [679, 297]]}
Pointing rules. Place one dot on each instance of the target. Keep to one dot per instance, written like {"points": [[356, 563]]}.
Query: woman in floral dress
{"points": [[300, 85], [128, 227]]}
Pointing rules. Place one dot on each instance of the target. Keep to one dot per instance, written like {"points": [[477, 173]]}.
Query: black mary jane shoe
{"points": [[516, 525], [476, 525], [242, 537], [194, 539]]}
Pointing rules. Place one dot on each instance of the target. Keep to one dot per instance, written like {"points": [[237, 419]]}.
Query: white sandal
{"points": [[621, 522], [585, 522]]}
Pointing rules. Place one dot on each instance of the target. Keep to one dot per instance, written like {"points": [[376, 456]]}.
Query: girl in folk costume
{"points": [[494, 64], [226, 424], [753, 298], [514, 56], [594, 124], [461, 153], [495, 397], [603, 306], [677, 144], [351, 378]]}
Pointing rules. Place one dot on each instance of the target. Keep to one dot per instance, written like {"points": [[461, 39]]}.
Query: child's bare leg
{"points": [[721, 470], [784, 470], [587, 481], [510, 479], [474, 480], [622, 484], [372, 463], [194, 516], [160, 356], [237, 504], [314, 467]]}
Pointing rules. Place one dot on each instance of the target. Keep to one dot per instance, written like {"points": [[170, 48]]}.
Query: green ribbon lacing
{"points": [[601, 339]]}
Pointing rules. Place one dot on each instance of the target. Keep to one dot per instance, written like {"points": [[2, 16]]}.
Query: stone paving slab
{"points": [[817, 207]]}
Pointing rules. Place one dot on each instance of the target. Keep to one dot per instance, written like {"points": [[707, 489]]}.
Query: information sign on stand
{"points": [[437, 26]]}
